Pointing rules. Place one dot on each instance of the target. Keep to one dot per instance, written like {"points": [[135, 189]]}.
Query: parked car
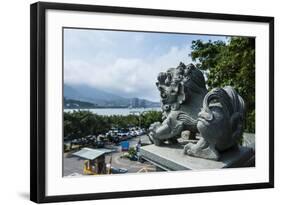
{"points": [[124, 135], [100, 144], [118, 170], [133, 133], [116, 139]]}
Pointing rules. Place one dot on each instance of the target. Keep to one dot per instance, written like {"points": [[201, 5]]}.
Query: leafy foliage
{"points": [[132, 151], [231, 63], [79, 124], [82, 123], [147, 118]]}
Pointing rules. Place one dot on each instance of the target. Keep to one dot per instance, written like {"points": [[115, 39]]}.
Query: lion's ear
{"points": [[236, 122]]}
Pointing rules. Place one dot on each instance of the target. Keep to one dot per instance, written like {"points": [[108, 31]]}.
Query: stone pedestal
{"points": [[172, 158]]}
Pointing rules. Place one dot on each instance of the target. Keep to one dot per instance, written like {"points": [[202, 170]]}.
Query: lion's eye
{"points": [[163, 95]]}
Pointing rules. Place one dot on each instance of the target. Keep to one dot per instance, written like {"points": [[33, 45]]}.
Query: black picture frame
{"points": [[38, 100]]}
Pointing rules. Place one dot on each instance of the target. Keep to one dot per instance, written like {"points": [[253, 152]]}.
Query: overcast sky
{"points": [[125, 63]]}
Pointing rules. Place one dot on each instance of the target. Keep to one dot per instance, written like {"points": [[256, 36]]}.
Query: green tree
{"points": [[231, 63], [79, 124], [147, 118]]}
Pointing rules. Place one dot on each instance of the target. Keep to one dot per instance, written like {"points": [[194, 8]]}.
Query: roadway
{"points": [[74, 165]]}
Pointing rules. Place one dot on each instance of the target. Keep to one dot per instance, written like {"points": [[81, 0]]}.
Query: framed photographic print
{"points": [[129, 102]]}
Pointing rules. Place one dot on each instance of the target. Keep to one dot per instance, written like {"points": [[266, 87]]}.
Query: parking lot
{"points": [[74, 165]]}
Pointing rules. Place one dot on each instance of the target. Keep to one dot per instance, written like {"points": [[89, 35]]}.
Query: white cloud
{"points": [[128, 77], [125, 63]]}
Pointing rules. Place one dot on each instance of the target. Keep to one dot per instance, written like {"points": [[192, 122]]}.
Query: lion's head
{"points": [[177, 85], [221, 119]]}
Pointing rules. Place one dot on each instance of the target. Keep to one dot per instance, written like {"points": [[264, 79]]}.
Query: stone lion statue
{"points": [[182, 90], [216, 117], [220, 124]]}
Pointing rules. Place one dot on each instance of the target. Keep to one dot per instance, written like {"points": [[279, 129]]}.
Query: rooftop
{"points": [[91, 154]]}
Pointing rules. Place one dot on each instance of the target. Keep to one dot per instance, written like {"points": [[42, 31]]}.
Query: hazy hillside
{"points": [[99, 97], [74, 104]]}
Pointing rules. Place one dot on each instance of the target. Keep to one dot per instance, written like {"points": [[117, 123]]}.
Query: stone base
{"points": [[172, 158]]}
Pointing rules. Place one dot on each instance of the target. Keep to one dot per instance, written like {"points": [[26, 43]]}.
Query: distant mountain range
{"points": [[99, 98], [74, 104]]}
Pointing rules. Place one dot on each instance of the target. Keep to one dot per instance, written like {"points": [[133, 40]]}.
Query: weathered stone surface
{"points": [[182, 90], [217, 115], [220, 123], [172, 158]]}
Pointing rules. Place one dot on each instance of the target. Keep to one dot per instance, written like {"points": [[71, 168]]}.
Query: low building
{"points": [[94, 160]]}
